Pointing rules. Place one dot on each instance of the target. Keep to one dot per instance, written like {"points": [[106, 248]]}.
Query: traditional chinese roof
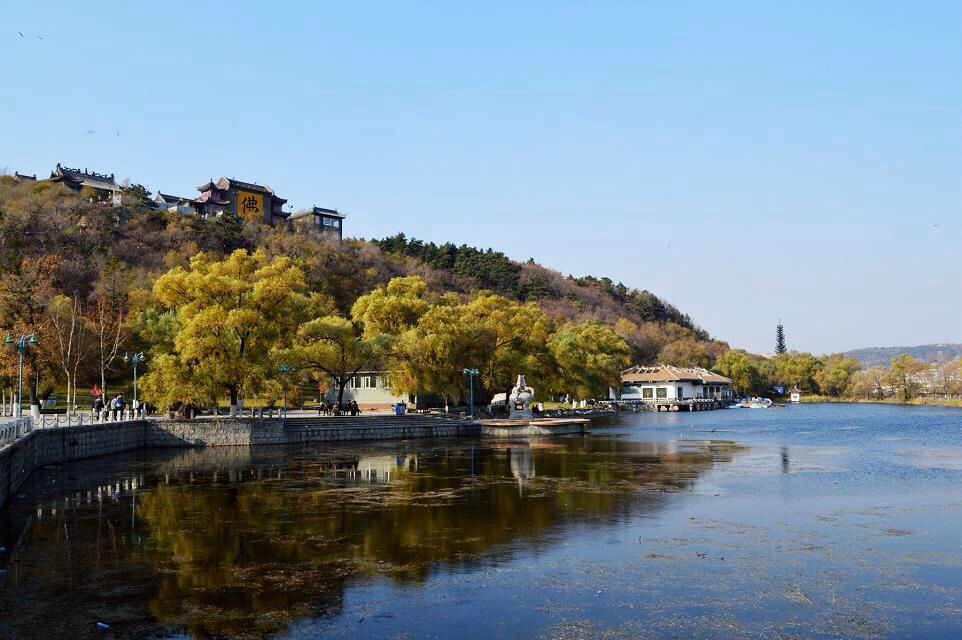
{"points": [[79, 179], [166, 198], [22, 176], [668, 373], [225, 183]]}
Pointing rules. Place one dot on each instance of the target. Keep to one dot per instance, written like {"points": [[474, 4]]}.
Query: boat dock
{"points": [[670, 404]]}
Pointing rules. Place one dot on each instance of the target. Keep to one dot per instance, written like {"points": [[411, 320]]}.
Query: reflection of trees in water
{"points": [[236, 543]]}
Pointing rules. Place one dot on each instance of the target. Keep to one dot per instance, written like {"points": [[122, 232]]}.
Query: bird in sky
{"points": [[89, 131]]}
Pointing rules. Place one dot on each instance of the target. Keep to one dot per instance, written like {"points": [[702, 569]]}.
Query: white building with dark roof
{"points": [[665, 382]]}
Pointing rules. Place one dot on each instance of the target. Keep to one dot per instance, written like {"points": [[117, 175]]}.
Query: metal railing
{"points": [[18, 428], [10, 431], [54, 421]]}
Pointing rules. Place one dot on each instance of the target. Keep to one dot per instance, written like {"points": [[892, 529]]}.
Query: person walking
{"points": [[98, 407]]}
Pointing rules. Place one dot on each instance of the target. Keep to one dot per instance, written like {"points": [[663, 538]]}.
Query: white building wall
{"points": [[689, 390], [369, 390]]}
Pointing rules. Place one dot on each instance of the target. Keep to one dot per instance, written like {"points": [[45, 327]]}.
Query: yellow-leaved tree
{"points": [[231, 315], [590, 358], [329, 347]]}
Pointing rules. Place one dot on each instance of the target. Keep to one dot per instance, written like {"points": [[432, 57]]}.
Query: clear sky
{"points": [[747, 161]]}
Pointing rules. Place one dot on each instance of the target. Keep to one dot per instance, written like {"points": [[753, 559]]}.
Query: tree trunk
{"points": [[34, 397], [234, 404], [340, 391]]}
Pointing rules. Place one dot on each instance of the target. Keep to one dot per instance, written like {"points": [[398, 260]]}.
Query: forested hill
{"points": [[648, 323], [530, 281], [55, 241], [928, 353]]}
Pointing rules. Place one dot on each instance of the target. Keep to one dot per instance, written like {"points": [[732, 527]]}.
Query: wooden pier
{"points": [[667, 404]]}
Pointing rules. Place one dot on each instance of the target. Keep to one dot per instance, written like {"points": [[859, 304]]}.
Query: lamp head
{"points": [[126, 357], [32, 340], [8, 339]]}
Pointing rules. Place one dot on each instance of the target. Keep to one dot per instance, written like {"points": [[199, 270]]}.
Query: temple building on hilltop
{"points": [[104, 186], [243, 199], [319, 219], [175, 204]]}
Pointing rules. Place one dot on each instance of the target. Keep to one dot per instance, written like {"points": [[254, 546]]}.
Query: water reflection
{"points": [[236, 541]]}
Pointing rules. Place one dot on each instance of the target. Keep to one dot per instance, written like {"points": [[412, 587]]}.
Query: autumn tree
{"points": [[750, 374], [590, 358], [689, 352], [68, 340], [521, 333], [431, 356], [903, 376], [231, 314], [393, 309], [795, 369], [835, 376], [24, 295], [329, 345], [867, 383]]}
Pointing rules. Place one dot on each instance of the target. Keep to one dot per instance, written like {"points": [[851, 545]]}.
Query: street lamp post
{"points": [[137, 357], [286, 369], [471, 373], [21, 344]]}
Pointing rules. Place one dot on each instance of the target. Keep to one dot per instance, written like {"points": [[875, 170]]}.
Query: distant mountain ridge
{"points": [[929, 353]]}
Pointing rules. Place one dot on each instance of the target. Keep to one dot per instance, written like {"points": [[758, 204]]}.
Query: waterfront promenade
{"points": [[37, 447]]}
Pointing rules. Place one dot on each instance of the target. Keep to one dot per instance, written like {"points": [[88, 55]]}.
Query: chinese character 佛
{"points": [[249, 205]]}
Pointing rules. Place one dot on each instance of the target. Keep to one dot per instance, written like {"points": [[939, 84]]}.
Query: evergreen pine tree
{"points": [[780, 339]]}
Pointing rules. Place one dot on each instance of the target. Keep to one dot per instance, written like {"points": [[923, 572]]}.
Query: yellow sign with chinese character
{"points": [[250, 205]]}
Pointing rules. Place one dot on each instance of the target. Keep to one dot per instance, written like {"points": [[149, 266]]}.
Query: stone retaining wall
{"points": [[64, 444], [41, 447]]}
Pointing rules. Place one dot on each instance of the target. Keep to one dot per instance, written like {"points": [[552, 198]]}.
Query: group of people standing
{"points": [[330, 409], [113, 408]]}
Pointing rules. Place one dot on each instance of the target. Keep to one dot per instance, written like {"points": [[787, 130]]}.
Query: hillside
{"points": [[928, 353], [56, 241]]}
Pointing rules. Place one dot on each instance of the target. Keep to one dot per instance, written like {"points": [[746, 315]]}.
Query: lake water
{"points": [[812, 521]]}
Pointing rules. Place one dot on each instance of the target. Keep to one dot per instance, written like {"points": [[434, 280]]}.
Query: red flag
{"points": [[95, 390]]}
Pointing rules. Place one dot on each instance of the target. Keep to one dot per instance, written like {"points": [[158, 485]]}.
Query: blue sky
{"points": [[747, 161]]}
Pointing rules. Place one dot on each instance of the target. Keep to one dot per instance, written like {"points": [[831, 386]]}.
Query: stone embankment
{"points": [[42, 447]]}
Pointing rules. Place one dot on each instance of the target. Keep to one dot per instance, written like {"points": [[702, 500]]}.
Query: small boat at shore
{"points": [[755, 403]]}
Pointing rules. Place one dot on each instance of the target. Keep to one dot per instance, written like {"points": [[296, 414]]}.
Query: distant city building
{"points": [[665, 382], [105, 186], [327, 221], [243, 199]]}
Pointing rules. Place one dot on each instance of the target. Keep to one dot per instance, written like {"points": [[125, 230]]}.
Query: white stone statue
{"points": [[519, 402]]}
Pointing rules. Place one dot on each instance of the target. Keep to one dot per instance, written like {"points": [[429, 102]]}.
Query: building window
{"points": [[680, 393], [370, 382], [318, 220], [646, 393], [661, 392]]}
